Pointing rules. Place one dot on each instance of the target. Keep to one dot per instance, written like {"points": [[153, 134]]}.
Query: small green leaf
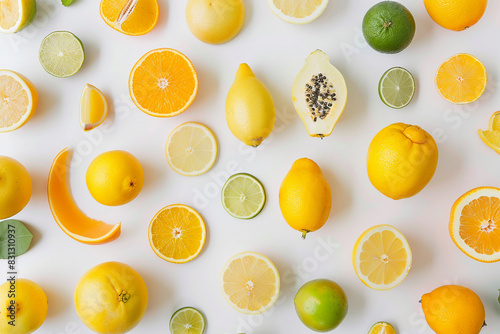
{"points": [[15, 235], [67, 2]]}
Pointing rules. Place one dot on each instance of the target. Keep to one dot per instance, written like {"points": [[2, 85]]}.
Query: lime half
{"points": [[396, 88], [61, 54], [187, 320], [243, 196]]}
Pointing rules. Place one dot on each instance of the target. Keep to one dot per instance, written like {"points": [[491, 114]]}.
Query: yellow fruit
{"points": [[382, 257], [93, 108], [453, 309], [298, 11], [177, 233], [456, 15], [250, 112], [382, 328], [16, 14], [495, 122], [215, 21], [475, 224], [115, 178], [111, 298], [24, 303], [18, 100], [461, 79], [250, 283], [305, 197], [15, 187], [191, 149], [66, 213], [402, 160], [491, 137]]}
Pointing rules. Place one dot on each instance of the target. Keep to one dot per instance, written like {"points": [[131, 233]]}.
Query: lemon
{"points": [[93, 108], [15, 187], [215, 21], [16, 14], [402, 160], [305, 197], [452, 309], [298, 11], [30, 310], [115, 178], [111, 298]]}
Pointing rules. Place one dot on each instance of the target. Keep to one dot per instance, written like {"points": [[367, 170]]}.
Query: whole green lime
{"points": [[389, 27], [321, 305]]}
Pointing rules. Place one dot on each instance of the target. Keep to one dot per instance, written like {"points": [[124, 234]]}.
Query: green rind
{"points": [[191, 309], [257, 181], [380, 88], [69, 74]]}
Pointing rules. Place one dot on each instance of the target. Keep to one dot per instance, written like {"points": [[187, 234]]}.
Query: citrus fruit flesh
{"points": [[15, 187], [16, 15], [18, 100], [177, 233], [191, 149], [382, 257], [66, 213], [298, 11], [396, 88], [187, 320], [475, 224], [93, 108], [130, 17], [456, 15], [243, 196], [250, 283], [382, 328], [389, 27], [163, 83], [61, 54]]}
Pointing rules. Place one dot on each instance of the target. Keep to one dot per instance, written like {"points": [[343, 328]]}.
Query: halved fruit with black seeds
{"points": [[319, 94]]}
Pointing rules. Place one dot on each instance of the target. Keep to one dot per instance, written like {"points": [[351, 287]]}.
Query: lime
{"points": [[187, 320], [389, 27], [16, 14], [396, 88], [61, 54], [243, 196]]}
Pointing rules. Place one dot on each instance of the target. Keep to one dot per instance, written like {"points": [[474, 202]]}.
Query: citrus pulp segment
{"points": [[93, 108], [130, 17]]}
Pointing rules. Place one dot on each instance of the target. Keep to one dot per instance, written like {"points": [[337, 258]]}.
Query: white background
{"points": [[276, 52]]}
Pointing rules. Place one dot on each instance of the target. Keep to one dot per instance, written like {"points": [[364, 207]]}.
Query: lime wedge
{"points": [[396, 88], [16, 14], [243, 196], [187, 320], [61, 54]]}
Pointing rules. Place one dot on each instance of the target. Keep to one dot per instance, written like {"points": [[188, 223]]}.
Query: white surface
{"points": [[276, 51]]}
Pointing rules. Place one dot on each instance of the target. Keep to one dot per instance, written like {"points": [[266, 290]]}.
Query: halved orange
{"points": [[461, 79], [163, 83], [67, 214], [177, 233], [130, 17], [475, 224]]}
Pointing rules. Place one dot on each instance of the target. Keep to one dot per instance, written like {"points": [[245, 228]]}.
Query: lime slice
{"points": [[396, 88], [187, 320], [243, 196], [61, 54], [16, 14]]}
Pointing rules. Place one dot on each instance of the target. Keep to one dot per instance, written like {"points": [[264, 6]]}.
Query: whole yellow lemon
{"points": [[305, 197], [15, 187], [402, 160], [453, 309], [111, 298], [115, 178], [215, 21], [23, 306]]}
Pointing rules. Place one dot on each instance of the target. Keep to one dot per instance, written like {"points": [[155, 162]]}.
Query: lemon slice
{"points": [[93, 108], [18, 100], [298, 11], [191, 149], [250, 283], [16, 14], [491, 138], [187, 320], [382, 257]]}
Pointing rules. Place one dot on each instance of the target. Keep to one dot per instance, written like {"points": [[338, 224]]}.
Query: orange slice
{"points": [[177, 233], [495, 122], [475, 224], [67, 214], [491, 137], [461, 79], [163, 83], [18, 100], [382, 257], [250, 283], [130, 17]]}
